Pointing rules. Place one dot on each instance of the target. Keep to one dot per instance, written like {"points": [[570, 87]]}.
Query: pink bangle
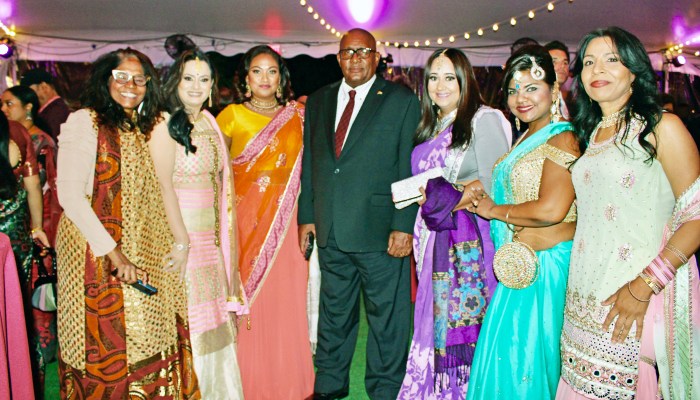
{"points": [[661, 271]]}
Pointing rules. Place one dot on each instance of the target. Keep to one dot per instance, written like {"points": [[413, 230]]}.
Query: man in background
{"points": [[53, 110], [560, 57]]}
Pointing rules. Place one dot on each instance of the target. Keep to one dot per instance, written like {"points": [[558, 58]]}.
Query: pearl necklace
{"points": [[612, 119], [263, 105]]}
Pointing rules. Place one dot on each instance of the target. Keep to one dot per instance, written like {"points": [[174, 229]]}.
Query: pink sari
{"points": [[15, 365], [671, 339], [267, 185]]}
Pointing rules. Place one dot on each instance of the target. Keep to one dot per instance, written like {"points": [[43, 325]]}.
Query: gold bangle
{"points": [[508, 213], [653, 285], [629, 287], [39, 229], [510, 226]]}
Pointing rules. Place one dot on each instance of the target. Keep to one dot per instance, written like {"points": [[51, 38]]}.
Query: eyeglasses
{"points": [[123, 77], [346, 54]]}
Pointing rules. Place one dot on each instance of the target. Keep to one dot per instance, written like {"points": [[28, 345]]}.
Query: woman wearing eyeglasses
{"points": [[265, 130], [116, 341]]}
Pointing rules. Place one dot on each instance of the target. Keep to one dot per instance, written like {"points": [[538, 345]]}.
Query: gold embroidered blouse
{"points": [[527, 174]]}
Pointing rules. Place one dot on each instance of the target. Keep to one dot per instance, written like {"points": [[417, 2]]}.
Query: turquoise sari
{"points": [[517, 354]]}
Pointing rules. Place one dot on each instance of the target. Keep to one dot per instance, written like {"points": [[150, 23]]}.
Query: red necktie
{"points": [[343, 125]]}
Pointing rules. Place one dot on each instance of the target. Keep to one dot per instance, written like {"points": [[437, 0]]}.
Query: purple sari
{"points": [[454, 260]]}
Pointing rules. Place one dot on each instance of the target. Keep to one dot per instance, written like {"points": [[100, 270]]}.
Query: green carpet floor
{"points": [[357, 369]]}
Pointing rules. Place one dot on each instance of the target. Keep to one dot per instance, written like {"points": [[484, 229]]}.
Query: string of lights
{"points": [[481, 31], [690, 46], [316, 16]]}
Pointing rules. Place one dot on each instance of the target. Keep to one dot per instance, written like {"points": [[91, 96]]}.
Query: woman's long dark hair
{"points": [[520, 61], [180, 125], [109, 112], [243, 68], [8, 182], [26, 95], [643, 100], [469, 102]]}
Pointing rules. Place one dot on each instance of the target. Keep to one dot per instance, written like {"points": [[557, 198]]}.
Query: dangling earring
{"points": [[28, 116], [556, 112], [554, 109], [209, 98], [248, 92], [517, 124], [631, 91], [279, 92]]}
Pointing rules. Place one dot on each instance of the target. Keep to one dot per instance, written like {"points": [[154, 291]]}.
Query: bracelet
{"points": [[182, 246], [458, 187], [629, 287], [508, 213], [510, 226], [651, 282], [34, 230], [673, 249]]}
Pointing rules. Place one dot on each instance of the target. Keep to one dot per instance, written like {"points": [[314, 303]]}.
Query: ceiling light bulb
{"points": [[531, 14], [513, 21]]}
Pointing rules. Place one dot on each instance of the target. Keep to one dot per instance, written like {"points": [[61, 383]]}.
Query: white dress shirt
{"points": [[343, 99]]}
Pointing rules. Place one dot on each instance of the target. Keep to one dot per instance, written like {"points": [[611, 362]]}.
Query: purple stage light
{"points": [[361, 10], [367, 14], [6, 9]]}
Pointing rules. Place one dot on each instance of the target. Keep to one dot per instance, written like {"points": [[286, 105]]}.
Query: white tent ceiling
{"points": [[81, 30]]}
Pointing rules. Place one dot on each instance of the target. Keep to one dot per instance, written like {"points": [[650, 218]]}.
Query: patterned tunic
{"points": [[624, 202]]}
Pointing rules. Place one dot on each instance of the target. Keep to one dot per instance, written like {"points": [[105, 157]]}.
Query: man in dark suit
{"points": [[358, 138]]}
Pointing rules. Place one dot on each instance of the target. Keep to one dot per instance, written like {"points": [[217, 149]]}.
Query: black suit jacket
{"points": [[353, 193]]}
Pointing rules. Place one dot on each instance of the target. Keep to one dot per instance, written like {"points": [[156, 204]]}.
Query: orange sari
{"points": [[267, 184]]}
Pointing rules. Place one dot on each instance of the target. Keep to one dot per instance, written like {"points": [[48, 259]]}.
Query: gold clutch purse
{"points": [[515, 264]]}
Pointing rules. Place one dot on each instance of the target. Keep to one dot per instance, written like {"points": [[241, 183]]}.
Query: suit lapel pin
{"points": [[379, 93]]}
